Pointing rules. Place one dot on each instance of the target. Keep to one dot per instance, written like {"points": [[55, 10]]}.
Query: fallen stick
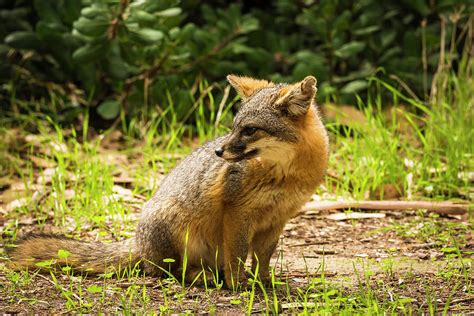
{"points": [[436, 207], [309, 274]]}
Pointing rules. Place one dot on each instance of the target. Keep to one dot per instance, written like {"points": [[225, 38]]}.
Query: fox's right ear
{"points": [[246, 86]]}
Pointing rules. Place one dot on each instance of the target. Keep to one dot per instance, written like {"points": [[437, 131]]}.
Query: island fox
{"points": [[227, 199]]}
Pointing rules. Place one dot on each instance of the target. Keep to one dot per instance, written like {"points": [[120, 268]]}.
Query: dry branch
{"points": [[436, 207]]}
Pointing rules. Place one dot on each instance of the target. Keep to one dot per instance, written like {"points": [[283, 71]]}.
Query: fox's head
{"points": [[270, 119]]}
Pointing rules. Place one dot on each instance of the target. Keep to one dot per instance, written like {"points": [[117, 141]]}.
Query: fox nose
{"points": [[219, 151]]}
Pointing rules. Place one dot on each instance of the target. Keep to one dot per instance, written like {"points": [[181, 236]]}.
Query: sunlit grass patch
{"points": [[91, 185], [423, 153]]}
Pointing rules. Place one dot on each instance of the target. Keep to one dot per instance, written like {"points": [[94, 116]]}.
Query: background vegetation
{"points": [[132, 56], [101, 98]]}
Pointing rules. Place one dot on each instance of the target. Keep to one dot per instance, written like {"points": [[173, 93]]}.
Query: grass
{"points": [[427, 153], [63, 180]]}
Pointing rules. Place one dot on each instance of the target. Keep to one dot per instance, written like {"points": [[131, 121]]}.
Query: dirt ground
{"points": [[351, 254]]}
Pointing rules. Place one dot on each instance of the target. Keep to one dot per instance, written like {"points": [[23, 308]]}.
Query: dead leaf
{"points": [[422, 255], [59, 147], [41, 162], [68, 194], [297, 305], [47, 176], [467, 176], [16, 204], [120, 190]]}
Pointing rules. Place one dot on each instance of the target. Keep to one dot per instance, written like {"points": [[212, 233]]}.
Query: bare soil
{"points": [[351, 255]]}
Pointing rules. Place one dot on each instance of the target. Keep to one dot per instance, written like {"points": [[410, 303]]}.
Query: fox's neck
{"points": [[308, 159], [311, 155]]}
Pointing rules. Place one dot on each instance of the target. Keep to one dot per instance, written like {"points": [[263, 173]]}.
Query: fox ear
{"points": [[246, 86], [296, 99]]}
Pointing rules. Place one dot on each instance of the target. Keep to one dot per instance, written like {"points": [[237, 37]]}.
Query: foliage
{"points": [[344, 42], [132, 56]]}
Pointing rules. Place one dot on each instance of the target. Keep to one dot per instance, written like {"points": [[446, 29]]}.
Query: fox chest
{"points": [[277, 201]]}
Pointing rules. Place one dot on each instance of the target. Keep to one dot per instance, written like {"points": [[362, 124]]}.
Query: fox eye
{"points": [[248, 131]]}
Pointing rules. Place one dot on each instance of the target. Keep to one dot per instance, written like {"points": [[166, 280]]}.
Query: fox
{"points": [[226, 201]]}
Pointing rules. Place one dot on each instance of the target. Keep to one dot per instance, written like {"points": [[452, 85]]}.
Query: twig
{"points": [[145, 283], [462, 300], [423, 246], [309, 274], [149, 73], [436, 207], [405, 86], [316, 243], [221, 106], [112, 30], [196, 103], [434, 81], [424, 58]]}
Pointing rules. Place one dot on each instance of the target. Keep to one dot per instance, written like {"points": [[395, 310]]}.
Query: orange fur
{"points": [[246, 86]]}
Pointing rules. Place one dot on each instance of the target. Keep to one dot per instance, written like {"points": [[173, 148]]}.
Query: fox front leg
{"points": [[236, 245], [264, 244]]}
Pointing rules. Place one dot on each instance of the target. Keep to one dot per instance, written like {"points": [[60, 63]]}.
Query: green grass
{"points": [[427, 152], [423, 150]]}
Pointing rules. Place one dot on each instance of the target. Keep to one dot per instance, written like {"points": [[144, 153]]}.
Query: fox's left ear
{"points": [[246, 86], [296, 99]]}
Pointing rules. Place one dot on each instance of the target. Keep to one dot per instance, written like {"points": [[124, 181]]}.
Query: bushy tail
{"points": [[35, 251]]}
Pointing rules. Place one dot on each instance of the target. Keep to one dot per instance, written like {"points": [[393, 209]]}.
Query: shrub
{"points": [[131, 56]]}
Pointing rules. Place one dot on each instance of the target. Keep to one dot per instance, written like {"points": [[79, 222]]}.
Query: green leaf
{"points": [[249, 25], [143, 16], [343, 21], [168, 260], [235, 302], [114, 65], [405, 300], [367, 30], [45, 264], [23, 40], [174, 32], [4, 49], [449, 250], [93, 289], [63, 254], [72, 9], [354, 86], [91, 27], [331, 293], [419, 5], [109, 109], [47, 11], [169, 12], [149, 36], [349, 49], [88, 53], [388, 37], [44, 29], [93, 11]]}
